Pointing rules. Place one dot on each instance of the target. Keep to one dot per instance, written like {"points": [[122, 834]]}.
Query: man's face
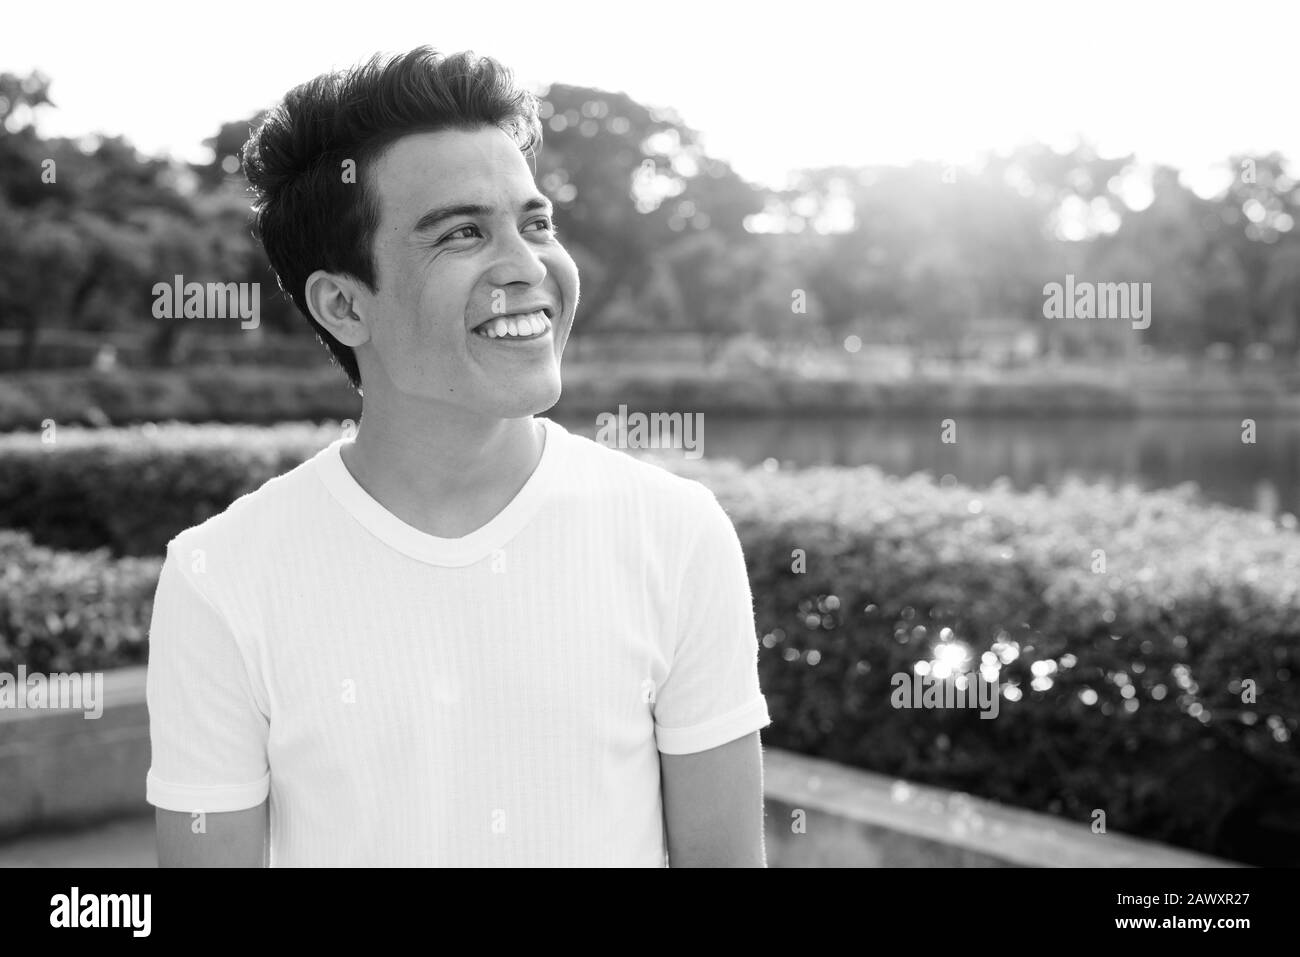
{"points": [[492, 256]]}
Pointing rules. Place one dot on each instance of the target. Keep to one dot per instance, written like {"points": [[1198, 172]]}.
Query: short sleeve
{"points": [[208, 735], [711, 694]]}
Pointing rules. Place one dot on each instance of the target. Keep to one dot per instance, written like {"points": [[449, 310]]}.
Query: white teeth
{"points": [[522, 326]]}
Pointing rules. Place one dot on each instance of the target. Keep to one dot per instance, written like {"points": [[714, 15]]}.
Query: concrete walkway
{"points": [[127, 842]]}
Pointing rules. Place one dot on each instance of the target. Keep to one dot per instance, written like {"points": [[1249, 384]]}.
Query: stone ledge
{"points": [[59, 768], [858, 818]]}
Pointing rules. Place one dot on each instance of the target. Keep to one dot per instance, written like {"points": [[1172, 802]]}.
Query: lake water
{"points": [[1155, 451]]}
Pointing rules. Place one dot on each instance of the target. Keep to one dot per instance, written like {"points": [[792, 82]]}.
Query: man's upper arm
{"points": [[709, 709], [711, 694], [713, 805], [209, 776], [224, 839]]}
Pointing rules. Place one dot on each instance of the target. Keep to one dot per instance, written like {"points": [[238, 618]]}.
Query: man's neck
{"points": [[444, 473]]}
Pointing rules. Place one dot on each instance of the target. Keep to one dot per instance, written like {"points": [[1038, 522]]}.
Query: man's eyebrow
{"points": [[430, 220]]}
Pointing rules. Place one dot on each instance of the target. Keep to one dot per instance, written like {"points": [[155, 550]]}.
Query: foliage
{"points": [[131, 490], [1129, 682], [72, 611], [668, 236]]}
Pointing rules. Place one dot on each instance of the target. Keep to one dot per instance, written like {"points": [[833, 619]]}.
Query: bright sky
{"points": [[772, 87]]}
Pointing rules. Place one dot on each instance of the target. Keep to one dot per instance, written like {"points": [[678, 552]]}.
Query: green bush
{"points": [[72, 611], [1124, 689], [131, 490], [1194, 601]]}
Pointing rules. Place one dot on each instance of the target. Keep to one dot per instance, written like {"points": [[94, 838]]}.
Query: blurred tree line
{"points": [[671, 239]]}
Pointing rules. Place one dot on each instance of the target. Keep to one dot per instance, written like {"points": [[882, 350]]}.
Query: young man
{"points": [[466, 637]]}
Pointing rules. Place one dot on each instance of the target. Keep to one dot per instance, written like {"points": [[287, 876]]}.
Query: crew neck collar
{"points": [[450, 552]]}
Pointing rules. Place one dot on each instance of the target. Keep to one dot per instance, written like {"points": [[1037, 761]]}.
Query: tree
{"points": [[227, 146], [1256, 219], [628, 181]]}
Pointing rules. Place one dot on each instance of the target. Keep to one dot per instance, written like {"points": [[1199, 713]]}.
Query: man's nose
{"points": [[517, 260]]}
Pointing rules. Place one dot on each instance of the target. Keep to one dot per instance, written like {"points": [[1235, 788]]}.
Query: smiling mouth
{"points": [[522, 327]]}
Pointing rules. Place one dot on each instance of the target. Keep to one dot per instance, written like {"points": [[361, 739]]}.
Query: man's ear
{"points": [[334, 302]]}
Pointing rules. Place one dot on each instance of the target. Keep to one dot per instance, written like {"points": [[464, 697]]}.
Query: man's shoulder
{"points": [[616, 472], [261, 518]]}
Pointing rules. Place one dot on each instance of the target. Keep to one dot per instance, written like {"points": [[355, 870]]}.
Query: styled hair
{"points": [[309, 214]]}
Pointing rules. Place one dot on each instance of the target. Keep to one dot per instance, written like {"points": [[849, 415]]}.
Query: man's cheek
{"points": [[567, 274]]}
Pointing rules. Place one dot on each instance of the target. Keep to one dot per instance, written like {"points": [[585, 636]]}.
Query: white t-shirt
{"points": [[495, 699]]}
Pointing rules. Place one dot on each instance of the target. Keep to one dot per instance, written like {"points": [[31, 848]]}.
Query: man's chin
{"points": [[534, 399], [544, 402]]}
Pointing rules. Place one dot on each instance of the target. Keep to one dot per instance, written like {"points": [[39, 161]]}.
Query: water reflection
{"points": [[1154, 450]]}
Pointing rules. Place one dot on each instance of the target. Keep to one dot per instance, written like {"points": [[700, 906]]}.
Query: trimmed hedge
{"points": [[1128, 683], [267, 394], [131, 490], [1195, 599]]}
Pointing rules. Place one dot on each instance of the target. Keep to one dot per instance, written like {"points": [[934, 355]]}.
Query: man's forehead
{"points": [[483, 167]]}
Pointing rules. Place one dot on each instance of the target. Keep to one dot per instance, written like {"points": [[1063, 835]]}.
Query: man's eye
{"points": [[546, 223], [454, 233]]}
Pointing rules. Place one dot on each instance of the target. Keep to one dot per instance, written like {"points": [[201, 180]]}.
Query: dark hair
{"points": [[307, 216]]}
